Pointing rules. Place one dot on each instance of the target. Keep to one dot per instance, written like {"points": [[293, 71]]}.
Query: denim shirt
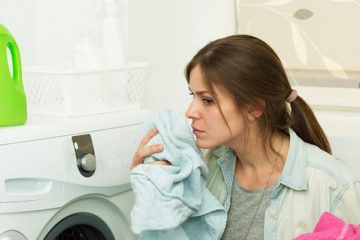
{"points": [[312, 182]]}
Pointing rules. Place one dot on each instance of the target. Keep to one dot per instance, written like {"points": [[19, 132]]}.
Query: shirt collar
{"points": [[221, 151], [226, 157], [226, 161], [294, 172]]}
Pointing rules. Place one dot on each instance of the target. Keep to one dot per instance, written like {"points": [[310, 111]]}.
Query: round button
{"points": [[88, 162], [272, 214]]}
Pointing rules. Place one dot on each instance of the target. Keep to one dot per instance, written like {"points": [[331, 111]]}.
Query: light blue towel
{"points": [[172, 202]]}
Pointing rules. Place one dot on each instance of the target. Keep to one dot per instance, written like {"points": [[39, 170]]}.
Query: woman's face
{"points": [[209, 126]]}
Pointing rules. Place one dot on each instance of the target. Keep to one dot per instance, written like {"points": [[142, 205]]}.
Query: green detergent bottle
{"points": [[12, 96]]}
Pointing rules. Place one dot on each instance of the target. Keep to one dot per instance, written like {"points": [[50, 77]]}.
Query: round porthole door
{"points": [[80, 226]]}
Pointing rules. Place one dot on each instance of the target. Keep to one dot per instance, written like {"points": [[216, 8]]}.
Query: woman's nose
{"points": [[192, 112]]}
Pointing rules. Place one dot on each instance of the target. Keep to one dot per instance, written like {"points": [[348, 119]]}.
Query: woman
{"points": [[270, 162]]}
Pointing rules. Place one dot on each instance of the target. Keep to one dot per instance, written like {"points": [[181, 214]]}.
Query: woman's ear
{"points": [[255, 112]]}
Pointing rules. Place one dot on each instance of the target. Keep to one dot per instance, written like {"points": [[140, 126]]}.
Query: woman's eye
{"points": [[207, 101], [191, 94]]}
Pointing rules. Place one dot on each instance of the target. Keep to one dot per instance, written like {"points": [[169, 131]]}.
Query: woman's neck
{"points": [[256, 161]]}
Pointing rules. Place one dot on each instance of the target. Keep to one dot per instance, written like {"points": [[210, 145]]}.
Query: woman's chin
{"points": [[203, 144]]}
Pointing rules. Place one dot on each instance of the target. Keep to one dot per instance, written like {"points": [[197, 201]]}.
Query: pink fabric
{"points": [[329, 227]]}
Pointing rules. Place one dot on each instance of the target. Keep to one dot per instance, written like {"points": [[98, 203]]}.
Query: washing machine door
{"points": [[80, 226], [92, 217]]}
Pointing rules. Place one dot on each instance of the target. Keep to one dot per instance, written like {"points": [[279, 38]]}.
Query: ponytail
{"points": [[306, 126]]}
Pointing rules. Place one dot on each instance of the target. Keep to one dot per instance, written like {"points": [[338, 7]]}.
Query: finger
{"points": [[159, 162], [148, 136], [150, 150], [143, 152]]}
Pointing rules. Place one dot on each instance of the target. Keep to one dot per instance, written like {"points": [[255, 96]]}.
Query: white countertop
{"points": [[42, 127]]}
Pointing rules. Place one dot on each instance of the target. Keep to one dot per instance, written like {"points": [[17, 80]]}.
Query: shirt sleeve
{"points": [[348, 207]]}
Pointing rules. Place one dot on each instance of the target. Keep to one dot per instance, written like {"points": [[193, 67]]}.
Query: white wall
{"points": [[164, 33], [167, 34], [19, 17]]}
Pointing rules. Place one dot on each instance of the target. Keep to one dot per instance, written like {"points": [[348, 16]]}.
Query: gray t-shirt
{"points": [[242, 210]]}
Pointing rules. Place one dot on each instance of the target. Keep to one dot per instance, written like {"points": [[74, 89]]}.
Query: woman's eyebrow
{"points": [[200, 92]]}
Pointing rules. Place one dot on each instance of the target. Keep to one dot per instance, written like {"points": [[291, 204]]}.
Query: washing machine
{"points": [[68, 178]]}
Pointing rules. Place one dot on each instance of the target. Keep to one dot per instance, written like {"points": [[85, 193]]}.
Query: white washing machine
{"points": [[68, 178]]}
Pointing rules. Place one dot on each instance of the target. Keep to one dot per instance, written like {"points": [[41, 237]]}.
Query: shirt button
{"points": [[272, 214], [333, 186]]}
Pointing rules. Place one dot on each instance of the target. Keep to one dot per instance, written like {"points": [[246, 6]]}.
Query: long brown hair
{"points": [[250, 70]]}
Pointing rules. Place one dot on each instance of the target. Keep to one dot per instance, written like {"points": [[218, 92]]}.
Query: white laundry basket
{"points": [[51, 90]]}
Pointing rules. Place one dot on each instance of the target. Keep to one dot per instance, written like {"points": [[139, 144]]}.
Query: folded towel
{"points": [[172, 202], [329, 227]]}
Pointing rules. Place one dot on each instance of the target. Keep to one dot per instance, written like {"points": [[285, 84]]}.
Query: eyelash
{"points": [[206, 101]]}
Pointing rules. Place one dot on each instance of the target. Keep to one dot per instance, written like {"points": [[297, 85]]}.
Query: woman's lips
{"points": [[197, 131]]}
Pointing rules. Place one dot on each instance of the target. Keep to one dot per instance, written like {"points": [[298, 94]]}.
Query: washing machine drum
{"points": [[80, 226]]}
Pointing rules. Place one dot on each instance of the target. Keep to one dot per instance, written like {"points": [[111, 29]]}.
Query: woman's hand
{"points": [[144, 151]]}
